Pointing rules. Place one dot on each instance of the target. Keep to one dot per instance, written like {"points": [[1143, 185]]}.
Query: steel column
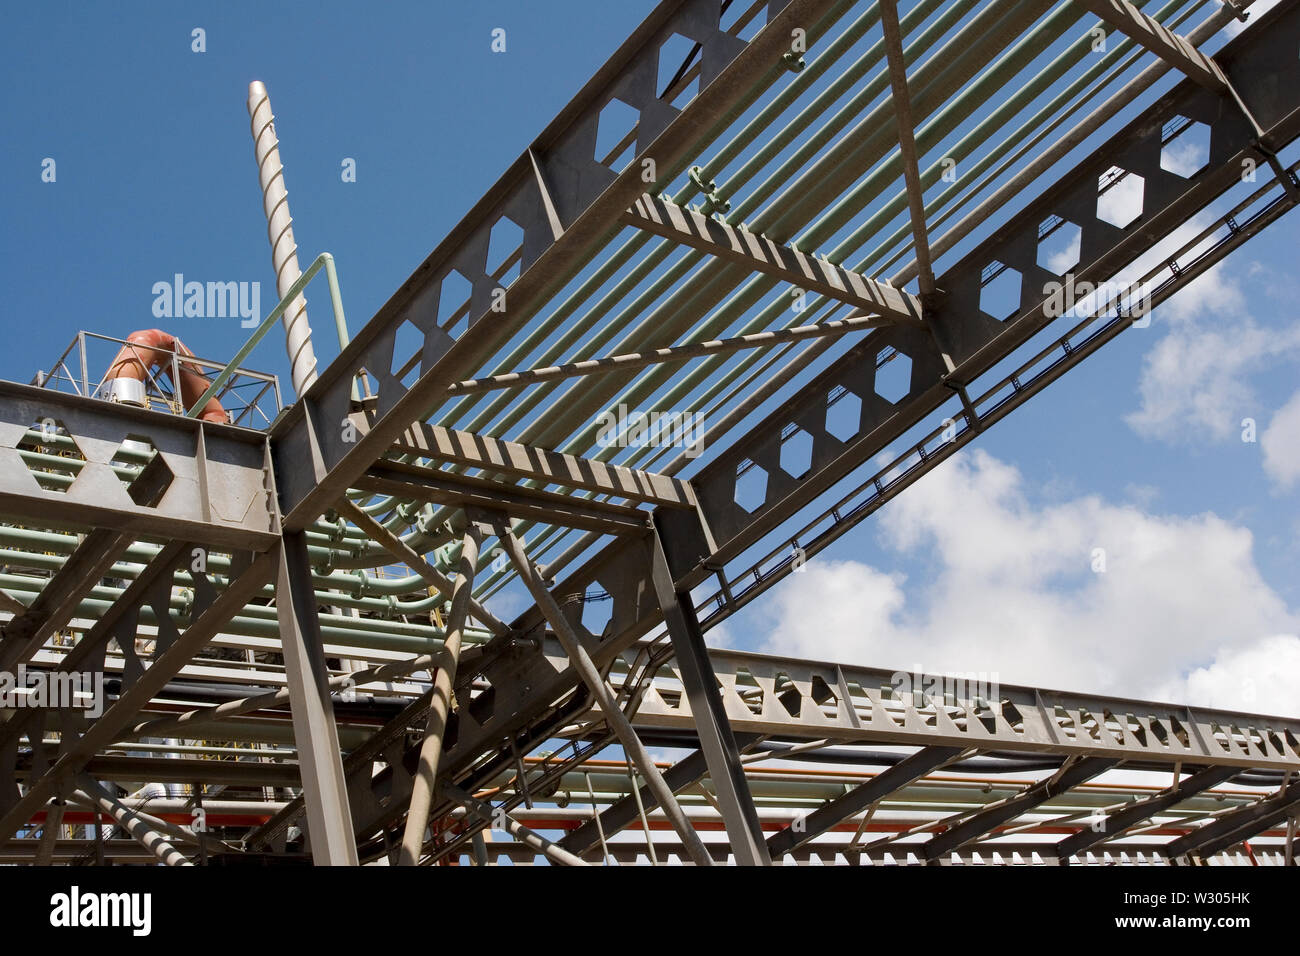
{"points": [[595, 682], [329, 820], [717, 742]]}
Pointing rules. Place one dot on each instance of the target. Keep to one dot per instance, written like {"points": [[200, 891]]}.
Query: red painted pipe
{"points": [[150, 349]]}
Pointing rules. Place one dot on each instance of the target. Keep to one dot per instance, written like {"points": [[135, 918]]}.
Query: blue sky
{"points": [[155, 176]]}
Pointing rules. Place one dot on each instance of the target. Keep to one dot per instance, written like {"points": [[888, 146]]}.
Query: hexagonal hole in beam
{"points": [[796, 452], [1119, 197], [453, 303], [505, 245], [142, 470], [408, 346], [616, 135], [51, 454], [1058, 245], [893, 375], [1186, 149], [743, 20], [1000, 291], [843, 413], [751, 486], [749, 690], [597, 611], [679, 58], [788, 694]]}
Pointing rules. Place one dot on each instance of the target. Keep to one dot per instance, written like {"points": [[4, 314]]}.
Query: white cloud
{"points": [[1280, 444], [1260, 677], [1196, 381], [1012, 590]]}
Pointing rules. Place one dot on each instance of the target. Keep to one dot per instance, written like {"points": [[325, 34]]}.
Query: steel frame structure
{"points": [[228, 583]]}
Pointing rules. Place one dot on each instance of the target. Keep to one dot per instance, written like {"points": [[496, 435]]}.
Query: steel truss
{"points": [[371, 740]]}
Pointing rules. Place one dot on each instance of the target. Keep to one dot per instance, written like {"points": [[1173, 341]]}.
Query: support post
{"points": [[717, 742], [423, 786], [329, 819], [591, 676]]}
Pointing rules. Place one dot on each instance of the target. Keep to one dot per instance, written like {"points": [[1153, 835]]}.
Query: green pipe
{"points": [[324, 260]]}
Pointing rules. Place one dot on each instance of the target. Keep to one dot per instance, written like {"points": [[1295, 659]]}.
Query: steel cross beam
{"points": [[990, 818], [1236, 825], [566, 201], [1171, 47], [75, 750], [25, 634], [599, 688], [207, 482], [1267, 77], [1129, 816], [545, 467], [630, 361], [784, 263], [907, 146], [717, 742], [906, 771], [448, 488], [812, 700]]}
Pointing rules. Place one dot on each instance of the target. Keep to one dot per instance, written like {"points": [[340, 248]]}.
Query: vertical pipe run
{"points": [[422, 789], [279, 227]]}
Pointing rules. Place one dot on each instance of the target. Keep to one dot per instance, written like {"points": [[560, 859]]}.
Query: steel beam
{"points": [[1114, 824], [76, 749], [1171, 47], [830, 814], [1236, 825], [215, 486], [444, 487], [609, 708], [988, 819], [717, 742], [907, 146], [784, 263], [557, 183], [545, 467], [630, 361], [329, 820], [789, 698]]}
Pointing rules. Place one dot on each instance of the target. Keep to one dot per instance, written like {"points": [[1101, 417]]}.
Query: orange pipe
{"points": [[152, 348]]}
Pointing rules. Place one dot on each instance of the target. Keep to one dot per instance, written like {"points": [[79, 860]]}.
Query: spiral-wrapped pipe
{"points": [[279, 224]]}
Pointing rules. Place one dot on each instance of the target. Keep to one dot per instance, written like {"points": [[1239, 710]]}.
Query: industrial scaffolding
{"points": [[809, 222]]}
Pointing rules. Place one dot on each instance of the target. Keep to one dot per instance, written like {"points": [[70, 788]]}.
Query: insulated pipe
{"points": [[150, 349], [423, 786], [279, 229], [131, 822]]}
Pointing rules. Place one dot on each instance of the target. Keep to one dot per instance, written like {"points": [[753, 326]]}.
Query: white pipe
{"points": [[279, 226]]}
